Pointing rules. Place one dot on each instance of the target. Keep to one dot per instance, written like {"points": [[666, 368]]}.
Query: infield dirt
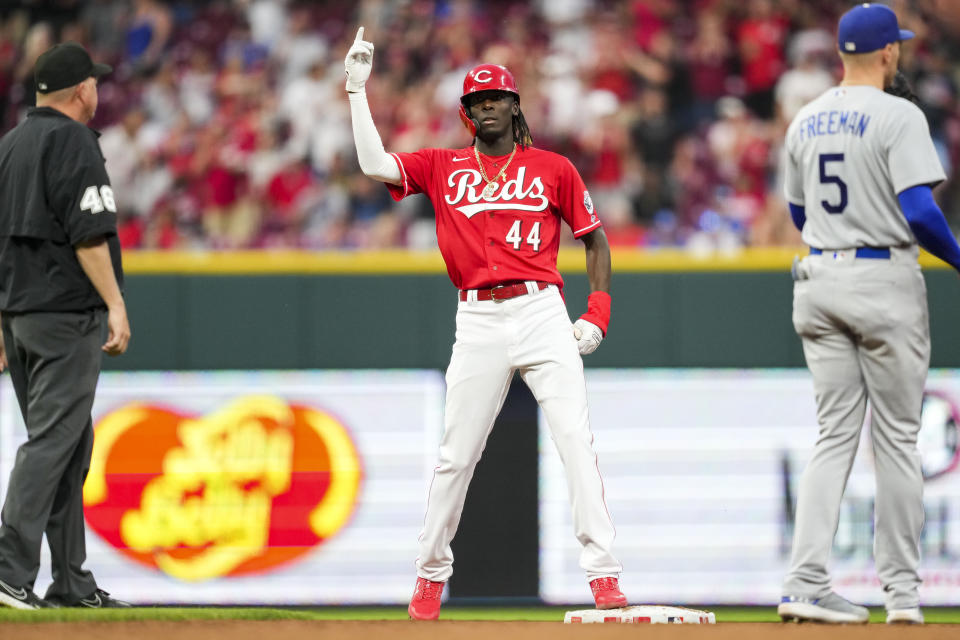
{"points": [[457, 630]]}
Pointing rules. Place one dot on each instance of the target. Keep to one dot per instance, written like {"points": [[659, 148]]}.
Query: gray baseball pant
{"points": [[54, 362], [865, 330]]}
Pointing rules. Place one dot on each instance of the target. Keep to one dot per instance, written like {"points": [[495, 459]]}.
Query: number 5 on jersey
{"points": [[515, 235], [95, 200], [827, 178]]}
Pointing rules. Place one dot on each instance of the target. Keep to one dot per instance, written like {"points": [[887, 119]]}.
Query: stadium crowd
{"points": [[225, 123]]}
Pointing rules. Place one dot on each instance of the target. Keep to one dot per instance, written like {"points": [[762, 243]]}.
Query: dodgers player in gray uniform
{"points": [[860, 165]]}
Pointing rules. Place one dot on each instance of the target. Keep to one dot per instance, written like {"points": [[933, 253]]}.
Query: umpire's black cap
{"points": [[65, 65]]}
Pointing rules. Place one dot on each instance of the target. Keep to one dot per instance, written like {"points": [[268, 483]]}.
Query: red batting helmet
{"points": [[485, 77]]}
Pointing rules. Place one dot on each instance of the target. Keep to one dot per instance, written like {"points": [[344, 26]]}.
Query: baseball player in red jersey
{"points": [[499, 205]]}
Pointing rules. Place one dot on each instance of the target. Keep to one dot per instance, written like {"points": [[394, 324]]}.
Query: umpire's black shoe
{"points": [[99, 599], [20, 598]]}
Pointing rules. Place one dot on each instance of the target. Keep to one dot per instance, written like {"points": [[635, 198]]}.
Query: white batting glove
{"points": [[358, 63], [588, 336]]}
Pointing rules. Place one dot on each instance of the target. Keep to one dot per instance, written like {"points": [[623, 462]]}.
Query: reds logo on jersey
{"points": [[508, 196]]}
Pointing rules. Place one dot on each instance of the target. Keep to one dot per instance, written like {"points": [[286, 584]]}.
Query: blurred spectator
{"points": [[653, 135], [761, 36], [161, 231], [651, 19], [740, 145], [104, 21], [288, 197], [609, 68], [327, 221], [808, 78], [148, 32], [129, 230], [708, 56], [318, 117], [693, 183], [161, 98], [38, 39], [152, 182], [196, 84], [268, 21], [225, 123], [299, 49], [229, 217], [8, 59], [675, 82], [269, 156], [558, 83], [123, 150]]}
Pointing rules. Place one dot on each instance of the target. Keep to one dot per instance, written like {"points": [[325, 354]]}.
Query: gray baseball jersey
{"points": [[862, 317], [849, 153]]}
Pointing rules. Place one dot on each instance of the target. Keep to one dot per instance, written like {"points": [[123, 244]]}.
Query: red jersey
{"points": [[514, 234]]}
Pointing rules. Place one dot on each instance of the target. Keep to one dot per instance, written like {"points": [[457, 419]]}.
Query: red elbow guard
{"points": [[598, 310]]}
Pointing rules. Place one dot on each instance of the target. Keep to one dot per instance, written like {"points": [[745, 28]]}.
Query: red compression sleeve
{"points": [[598, 310]]}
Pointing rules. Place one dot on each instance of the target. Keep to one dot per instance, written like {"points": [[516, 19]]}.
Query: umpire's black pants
{"points": [[54, 362]]}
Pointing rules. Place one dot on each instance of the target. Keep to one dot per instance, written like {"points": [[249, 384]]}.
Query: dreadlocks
{"points": [[521, 132]]}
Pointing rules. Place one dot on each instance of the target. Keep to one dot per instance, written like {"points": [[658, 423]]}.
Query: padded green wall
{"points": [[668, 319]]}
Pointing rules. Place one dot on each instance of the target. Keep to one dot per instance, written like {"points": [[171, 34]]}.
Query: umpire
{"points": [[60, 305]]}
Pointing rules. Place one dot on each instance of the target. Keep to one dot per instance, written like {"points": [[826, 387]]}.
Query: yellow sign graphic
{"points": [[209, 510]]}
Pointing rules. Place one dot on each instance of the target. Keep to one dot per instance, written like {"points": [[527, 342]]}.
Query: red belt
{"points": [[503, 292]]}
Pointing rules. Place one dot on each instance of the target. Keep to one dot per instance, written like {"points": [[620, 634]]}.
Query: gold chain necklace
{"points": [[492, 185]]}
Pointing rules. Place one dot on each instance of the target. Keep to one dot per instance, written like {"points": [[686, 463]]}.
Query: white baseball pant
{"points": [[866, 337], [531, 334]]}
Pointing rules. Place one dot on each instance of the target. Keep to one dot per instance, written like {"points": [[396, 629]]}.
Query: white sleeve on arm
{"points": [[912, 158], [374, 161]]}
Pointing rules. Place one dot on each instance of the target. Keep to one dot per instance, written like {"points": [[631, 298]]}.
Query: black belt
{"points": [[878, 253], [502, 292]]}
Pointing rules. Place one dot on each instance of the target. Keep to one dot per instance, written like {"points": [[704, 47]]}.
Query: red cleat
{"points": [[606, 593], [425, 603]]}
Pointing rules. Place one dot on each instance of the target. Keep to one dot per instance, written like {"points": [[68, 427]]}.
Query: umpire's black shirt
{"points": [[54, 194]]}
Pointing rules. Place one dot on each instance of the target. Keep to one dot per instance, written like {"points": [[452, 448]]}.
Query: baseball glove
{"points": [[901, 88]]}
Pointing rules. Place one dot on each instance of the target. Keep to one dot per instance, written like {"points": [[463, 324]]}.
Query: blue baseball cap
{"points": [[868, 27]]}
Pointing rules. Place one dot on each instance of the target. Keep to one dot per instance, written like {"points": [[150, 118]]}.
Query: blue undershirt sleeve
{"points": [[928, 224], [799, 215]]}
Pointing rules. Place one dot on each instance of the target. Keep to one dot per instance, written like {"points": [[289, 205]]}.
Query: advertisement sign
{"points": [[254, 487], [700, 472]]}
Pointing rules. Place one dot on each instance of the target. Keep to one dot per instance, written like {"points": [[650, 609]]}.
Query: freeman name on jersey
{"points": [[828, 123]]}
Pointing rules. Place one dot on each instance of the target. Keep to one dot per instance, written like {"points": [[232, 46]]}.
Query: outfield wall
{"points": [[294, 311]]}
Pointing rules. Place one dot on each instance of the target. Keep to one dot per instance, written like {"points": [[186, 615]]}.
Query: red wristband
{"points": [[598, 310]]}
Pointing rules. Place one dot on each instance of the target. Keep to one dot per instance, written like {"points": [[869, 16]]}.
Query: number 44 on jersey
{"points": [[515, 235]]}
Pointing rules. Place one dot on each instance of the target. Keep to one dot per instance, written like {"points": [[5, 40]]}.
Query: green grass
{"points": [[175, 614], [543, 614]]}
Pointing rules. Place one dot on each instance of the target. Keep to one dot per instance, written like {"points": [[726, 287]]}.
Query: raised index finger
{"points": [[359, 35]]}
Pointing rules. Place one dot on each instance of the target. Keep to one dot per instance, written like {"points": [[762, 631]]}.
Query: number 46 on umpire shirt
{"points": [[54, 165]]}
